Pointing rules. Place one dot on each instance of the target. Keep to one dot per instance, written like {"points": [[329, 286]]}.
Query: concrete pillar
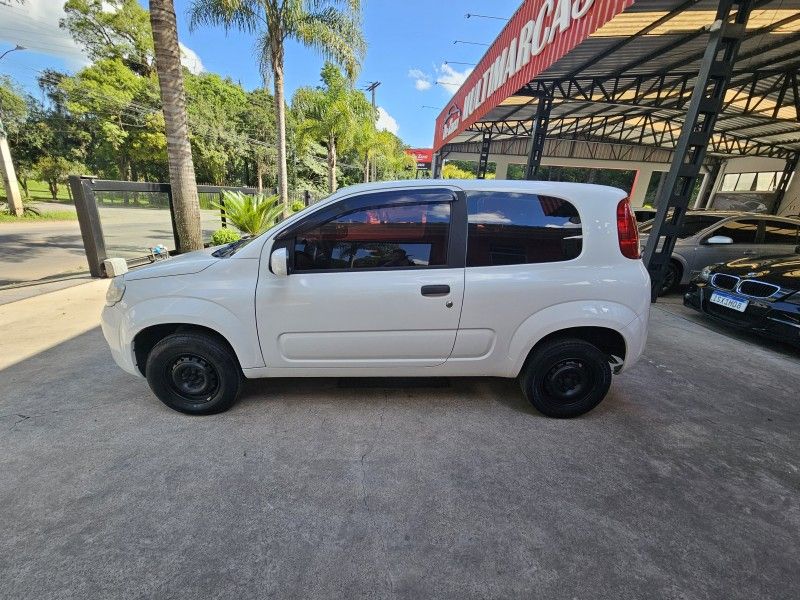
{"points": [[640, 184], [9, 177], [501, 167]]}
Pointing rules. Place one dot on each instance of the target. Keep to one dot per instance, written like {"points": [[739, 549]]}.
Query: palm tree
{"points": [[186, 204], [333, 115], [332, 27]]}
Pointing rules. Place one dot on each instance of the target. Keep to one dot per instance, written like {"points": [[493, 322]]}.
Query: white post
{"points": [[501, 167], [9, 177], [640, 185]]}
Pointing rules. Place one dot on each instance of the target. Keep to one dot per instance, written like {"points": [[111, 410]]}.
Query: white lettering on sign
{"points": [[554, 18]]}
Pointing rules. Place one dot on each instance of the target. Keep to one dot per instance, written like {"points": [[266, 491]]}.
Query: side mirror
{"points": [[719, 239], [278, 262]]}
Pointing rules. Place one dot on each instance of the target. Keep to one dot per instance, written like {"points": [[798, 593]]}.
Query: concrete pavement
{"points": [[683, 483]]}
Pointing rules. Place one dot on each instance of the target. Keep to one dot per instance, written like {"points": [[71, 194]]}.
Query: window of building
{"points": [[765, 181], [511, 228], [390, 236]]}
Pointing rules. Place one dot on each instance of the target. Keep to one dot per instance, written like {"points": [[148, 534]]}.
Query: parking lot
{"points": [[683, 483]]}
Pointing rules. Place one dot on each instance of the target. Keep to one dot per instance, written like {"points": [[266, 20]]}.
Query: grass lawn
{"points": [[56, 215], [38, 190]]}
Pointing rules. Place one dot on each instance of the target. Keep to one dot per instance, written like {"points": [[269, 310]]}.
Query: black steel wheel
{"points": [[566, 378], [672, 279], [194, 373]]}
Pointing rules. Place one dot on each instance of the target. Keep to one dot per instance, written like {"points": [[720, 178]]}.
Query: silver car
{"points": [[709, 237]]}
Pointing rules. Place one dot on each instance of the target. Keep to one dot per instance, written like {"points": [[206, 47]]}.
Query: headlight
{"points": [[115, 291], [705, 274]]}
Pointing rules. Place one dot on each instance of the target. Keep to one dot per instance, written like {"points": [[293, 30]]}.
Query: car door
{"points": [[744, 234], [777, 237], [376, 280]]}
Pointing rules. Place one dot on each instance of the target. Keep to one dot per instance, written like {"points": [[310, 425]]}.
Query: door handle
{"points": [[435, 290]]}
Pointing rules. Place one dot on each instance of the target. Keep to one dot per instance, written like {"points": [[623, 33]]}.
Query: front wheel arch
{"points": [[146, 339]]}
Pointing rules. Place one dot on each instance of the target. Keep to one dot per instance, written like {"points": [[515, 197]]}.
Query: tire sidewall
{"points": [[166, 351], [543, 359]]}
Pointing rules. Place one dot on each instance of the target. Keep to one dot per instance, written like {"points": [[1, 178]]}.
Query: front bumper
{"points": [[777, 320], [111, 322]]}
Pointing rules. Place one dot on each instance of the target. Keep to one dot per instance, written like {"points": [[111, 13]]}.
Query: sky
{"points": [[411, 51]]}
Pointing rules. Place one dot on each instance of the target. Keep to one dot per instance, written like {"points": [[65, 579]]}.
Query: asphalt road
{"points": [[683, 483], [31, 250]]}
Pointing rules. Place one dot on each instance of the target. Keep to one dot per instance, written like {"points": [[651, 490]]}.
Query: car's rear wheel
{"points": [[566, 378], [194, 373], [672, 278]]}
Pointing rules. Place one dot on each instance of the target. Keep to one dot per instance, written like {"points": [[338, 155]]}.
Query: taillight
{"points": [[627, 230]]}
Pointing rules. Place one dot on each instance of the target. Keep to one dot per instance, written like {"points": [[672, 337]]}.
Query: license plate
{"points": [[729, 301]]}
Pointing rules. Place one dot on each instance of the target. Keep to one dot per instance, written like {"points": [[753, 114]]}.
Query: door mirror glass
{"points": [[719, 239], [278, 262]]}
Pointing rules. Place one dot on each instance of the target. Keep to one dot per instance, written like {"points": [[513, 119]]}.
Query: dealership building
{"points": [[699, 98]]}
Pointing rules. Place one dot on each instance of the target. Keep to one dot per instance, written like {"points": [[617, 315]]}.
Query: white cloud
{"points": [[422, 81], [451, 79], [191, 60], [35, 26], [386, 121]]}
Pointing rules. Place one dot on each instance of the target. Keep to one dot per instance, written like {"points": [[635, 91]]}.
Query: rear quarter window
{"points": [[508, 228]]}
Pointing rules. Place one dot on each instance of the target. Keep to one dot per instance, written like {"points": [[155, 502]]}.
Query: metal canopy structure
{"points": [[700, 80], [630, 82]]}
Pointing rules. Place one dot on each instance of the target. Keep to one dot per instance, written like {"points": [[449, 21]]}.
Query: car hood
{"points": [[184, 264], [781, 270]]}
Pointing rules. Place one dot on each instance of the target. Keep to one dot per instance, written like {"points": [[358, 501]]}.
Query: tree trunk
{"points": [[366, 168], [53, 185], [260, 176], [280, 118], [185, 201], [331, 165]]}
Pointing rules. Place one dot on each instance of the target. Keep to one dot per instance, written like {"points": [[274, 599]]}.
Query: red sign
{"points": [[423, 156], [539, 33]]}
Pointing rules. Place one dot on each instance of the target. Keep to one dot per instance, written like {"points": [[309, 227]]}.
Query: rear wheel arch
{"points": [[608, 340]]}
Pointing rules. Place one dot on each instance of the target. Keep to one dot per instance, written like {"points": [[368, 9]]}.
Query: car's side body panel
{"points": [[220, 300]]}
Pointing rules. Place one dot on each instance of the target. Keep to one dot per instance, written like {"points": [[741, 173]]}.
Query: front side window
{"points": [[507, 228], [389, 236], [741, 232]]}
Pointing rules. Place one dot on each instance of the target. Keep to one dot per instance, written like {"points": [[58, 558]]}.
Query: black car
{"points": [[761, 295]]}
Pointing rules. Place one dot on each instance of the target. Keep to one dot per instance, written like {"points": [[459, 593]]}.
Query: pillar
{"points": [[501, 167], [791, 199], [640, 184], [9, 176]]}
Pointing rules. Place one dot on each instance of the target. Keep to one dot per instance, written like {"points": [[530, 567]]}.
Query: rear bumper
{"points": [[635, 334], [765, 318]]}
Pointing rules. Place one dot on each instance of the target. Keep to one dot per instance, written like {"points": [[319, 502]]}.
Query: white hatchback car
{"points": [[536, 280]]}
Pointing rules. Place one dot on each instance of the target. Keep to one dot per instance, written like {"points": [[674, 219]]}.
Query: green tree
{"points": [[332, 27], [186, 203], [55, 170], [332, 115], [111, 29], [259, 125]]}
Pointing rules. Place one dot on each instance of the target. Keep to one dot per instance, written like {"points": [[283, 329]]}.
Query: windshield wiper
{"points": [[231, 248]]}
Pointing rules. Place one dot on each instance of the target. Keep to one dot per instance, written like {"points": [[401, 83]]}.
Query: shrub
{"points": [[297, 206], [224, 235], [250, 214]]}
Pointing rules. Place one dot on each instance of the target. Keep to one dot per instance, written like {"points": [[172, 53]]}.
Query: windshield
{"points": [[692, 225]]}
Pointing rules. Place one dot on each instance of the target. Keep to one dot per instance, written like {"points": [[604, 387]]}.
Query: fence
{"points": [[126, 218]]}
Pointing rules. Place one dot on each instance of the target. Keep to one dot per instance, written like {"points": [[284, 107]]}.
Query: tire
{"points": [[672, 279], [194, 373], [566, 378]]}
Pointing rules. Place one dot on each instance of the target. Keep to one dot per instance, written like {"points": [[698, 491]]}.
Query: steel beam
{"points": [[783, 183], [698, 126], [483, 158], [538, 134]]}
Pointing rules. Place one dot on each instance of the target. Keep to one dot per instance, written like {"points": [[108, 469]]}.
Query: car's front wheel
{"points": [[566, 378], [194, 373]]}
